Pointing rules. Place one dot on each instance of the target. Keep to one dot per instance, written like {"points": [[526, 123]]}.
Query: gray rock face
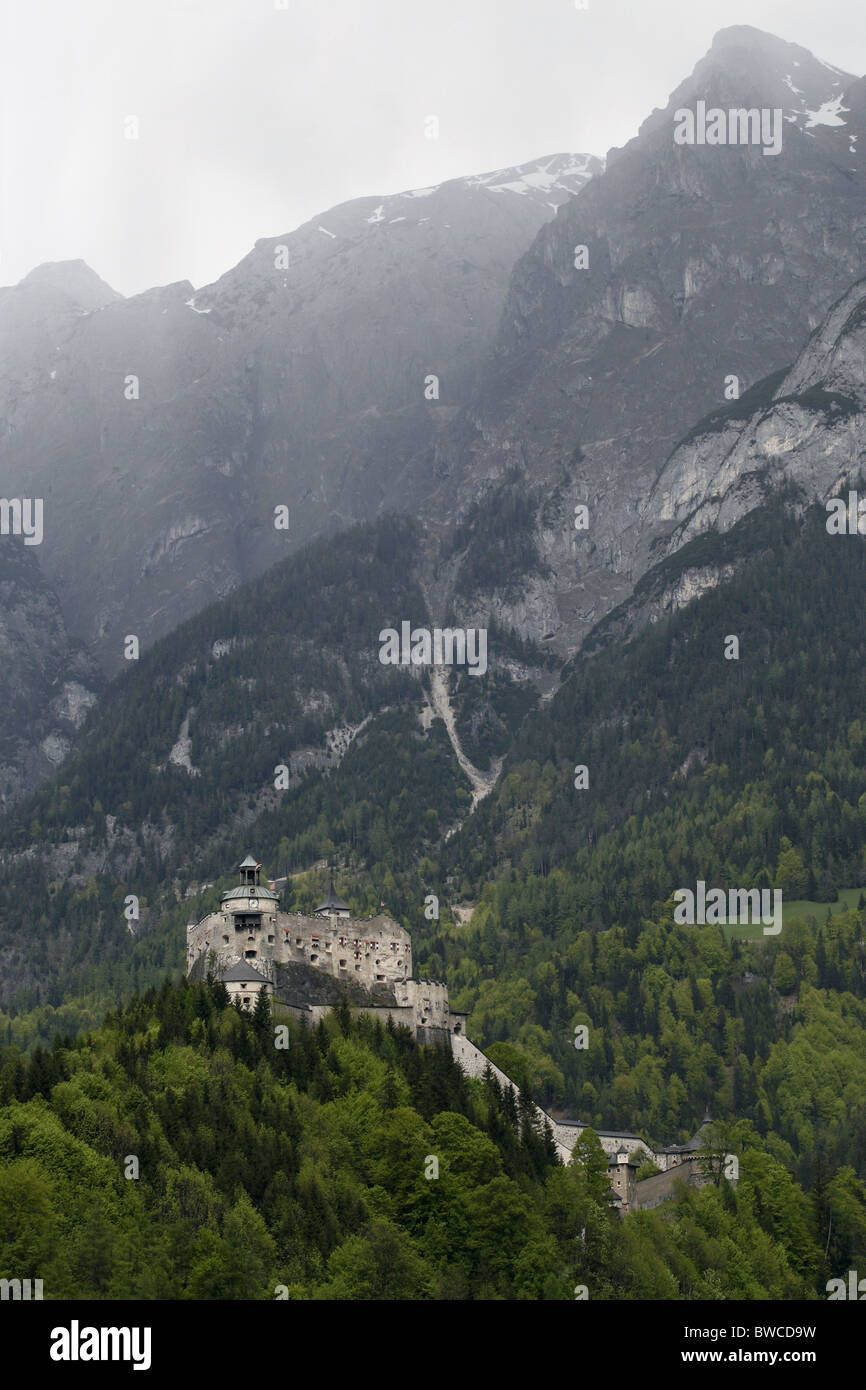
{"points": [[704, 263], [47, 682], [810, 432]]}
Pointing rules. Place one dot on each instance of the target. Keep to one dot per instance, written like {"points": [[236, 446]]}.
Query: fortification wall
{"points": [[475, 1063], [568, 1134], [651, 1192]]}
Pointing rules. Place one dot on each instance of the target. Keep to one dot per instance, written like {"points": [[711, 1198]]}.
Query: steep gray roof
{"points": [[332, 903], [250, 863], [242, 971]]}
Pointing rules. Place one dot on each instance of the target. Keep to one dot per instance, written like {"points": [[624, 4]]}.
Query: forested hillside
{"points": [[178, 1153]]}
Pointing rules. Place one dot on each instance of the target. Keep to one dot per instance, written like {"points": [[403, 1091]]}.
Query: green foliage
{"points": [[307, 1168]]}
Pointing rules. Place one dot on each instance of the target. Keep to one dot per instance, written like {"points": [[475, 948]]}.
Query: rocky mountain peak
{"points": [[74, 279]]}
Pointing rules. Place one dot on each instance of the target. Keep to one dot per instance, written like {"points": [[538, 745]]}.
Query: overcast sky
{"points": [[253, 118]]}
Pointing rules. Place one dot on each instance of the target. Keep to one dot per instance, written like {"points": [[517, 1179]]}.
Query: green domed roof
{"points": [[249, 890]]}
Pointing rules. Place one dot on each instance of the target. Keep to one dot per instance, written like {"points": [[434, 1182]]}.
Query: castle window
{"points": [[357, 967], [314, 957], [342, 965], [249, 955], [380, 977], [297, 941], [226, 940]]}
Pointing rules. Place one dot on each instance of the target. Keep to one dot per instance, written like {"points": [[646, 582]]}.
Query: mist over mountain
{"points": [[163, 430]]}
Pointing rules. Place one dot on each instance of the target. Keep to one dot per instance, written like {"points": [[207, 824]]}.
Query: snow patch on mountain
{"points": [[828, 113]]}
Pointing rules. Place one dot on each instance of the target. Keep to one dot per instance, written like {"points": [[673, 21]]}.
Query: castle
{"points": [[309, 963]]}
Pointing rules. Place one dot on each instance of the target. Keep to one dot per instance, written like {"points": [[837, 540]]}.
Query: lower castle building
{"points": [[309, 963]]}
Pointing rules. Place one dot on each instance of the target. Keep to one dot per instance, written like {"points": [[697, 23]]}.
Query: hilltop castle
{"points": [[309, 963]]}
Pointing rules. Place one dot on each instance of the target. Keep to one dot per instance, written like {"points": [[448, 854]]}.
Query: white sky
{"points": [[253, 118]]}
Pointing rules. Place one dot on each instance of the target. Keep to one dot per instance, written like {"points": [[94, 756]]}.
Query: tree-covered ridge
{"points": [[307, 1172], [260, 673]]}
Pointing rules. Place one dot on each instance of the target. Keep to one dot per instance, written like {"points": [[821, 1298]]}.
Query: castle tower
{"points": [[244, 982], [249, 912]]}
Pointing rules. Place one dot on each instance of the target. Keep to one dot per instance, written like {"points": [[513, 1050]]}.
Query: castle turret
{"points": [[332, 906], [250, 870]]}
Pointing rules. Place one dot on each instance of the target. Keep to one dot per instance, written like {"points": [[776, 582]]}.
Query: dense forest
{"points": [[179, 1152]]}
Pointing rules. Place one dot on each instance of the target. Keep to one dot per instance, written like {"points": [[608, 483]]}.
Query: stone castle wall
{"points": [[568, 1134], [370, 951]]}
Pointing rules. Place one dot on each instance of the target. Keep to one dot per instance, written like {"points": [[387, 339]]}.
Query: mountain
{"points": [[163, 430], [235, 720], [705, 263]]}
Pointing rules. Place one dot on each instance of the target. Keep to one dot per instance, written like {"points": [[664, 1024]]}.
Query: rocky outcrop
{"points": [[808, 434]]}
